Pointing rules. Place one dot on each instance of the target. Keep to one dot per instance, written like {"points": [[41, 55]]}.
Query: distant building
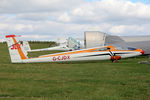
{"points": [[93, 39], [135, 38], [96, 38], [142, 42]]}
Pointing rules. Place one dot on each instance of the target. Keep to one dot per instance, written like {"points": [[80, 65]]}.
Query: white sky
{"points": [[49, 19]]}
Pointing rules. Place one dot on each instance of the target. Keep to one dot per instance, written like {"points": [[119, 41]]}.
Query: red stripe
{"points": [[8, 36]]}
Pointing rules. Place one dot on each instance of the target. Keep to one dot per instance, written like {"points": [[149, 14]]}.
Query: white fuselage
{"points": [[81, 56]]}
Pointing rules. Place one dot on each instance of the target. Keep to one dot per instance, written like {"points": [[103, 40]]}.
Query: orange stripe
{"points": [[19, 50], [76, 52], [68, 53], [89, 50]]}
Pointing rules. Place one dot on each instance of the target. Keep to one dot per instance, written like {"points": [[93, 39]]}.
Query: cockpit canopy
{"points": [[102, 49], [125, 48], [114, 47]]}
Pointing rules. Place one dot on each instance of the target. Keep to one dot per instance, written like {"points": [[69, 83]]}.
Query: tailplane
{"points": [[16, 51]]}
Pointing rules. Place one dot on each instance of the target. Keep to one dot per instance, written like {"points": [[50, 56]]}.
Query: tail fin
{"points": [[26, 46], [16, 51]]}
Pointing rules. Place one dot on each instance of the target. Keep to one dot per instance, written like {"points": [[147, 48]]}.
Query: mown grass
{"points": [[101, 80]]}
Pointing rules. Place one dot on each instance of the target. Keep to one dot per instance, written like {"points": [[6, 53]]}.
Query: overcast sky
{"points": [[49, 19]]}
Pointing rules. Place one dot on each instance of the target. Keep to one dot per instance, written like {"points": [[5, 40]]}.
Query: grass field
{"points": [[101, 80]]}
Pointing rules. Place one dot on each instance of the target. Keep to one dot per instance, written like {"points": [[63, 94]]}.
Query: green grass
{"points": [[39, 46], [101, 80]]}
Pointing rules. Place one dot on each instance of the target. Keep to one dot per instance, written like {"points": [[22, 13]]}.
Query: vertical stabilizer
{"points": [[16, 51]]}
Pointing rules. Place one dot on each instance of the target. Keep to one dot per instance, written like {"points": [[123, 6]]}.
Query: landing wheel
{"points": [[115, 59]]}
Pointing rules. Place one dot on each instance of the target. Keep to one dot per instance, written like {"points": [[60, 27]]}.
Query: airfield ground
{"points": [[101, 80]]}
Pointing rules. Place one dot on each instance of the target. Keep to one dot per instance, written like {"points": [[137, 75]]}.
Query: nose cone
{"points": [[142, 52]]}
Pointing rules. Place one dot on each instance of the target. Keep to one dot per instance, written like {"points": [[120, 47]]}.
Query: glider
{"points": [[75, 45], [19, 55]]}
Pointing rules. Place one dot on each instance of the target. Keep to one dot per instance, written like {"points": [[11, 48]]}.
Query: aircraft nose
{"points": [[142, 52]]}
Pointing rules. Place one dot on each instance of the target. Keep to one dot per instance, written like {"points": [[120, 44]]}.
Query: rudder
{"points": [[16, 51]]}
